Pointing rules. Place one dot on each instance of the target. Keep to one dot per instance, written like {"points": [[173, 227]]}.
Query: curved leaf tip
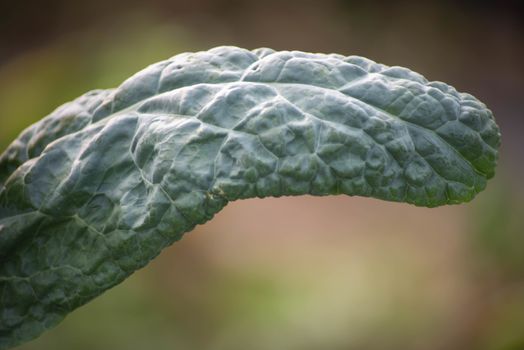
{"points": [[97, 188]]}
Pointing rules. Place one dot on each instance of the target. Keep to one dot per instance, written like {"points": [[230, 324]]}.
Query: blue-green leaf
{"points": [[99, 187]]}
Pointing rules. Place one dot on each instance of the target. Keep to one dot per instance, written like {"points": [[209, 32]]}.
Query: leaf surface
{"points": [[99, 187]]}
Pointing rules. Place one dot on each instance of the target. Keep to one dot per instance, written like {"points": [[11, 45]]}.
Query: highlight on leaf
{"points": [[99, 187]]}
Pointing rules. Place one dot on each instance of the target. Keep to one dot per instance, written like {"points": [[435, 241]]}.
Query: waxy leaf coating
{"points": [[99, 187]]}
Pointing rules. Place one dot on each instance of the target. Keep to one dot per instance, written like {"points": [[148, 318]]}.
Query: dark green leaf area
{"points": [[99, 187]]}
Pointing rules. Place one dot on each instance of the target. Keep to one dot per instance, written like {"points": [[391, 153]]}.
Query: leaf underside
{"points": [[99, 187]]}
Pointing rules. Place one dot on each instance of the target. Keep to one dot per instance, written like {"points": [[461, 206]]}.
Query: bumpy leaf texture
{"points": [[99, 187]]}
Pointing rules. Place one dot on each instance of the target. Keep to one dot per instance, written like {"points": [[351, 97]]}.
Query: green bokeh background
{"points": [[298, 273]]}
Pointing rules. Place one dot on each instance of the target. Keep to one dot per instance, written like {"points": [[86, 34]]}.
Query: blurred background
{"points": [[298, 273]]}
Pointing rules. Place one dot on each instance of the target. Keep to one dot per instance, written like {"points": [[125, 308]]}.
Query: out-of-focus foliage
{"points": [[53, 75], [497, 238], [499, 230]]}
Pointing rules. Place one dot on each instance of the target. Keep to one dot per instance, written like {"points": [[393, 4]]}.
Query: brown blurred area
{"points": [[304, 272]]}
